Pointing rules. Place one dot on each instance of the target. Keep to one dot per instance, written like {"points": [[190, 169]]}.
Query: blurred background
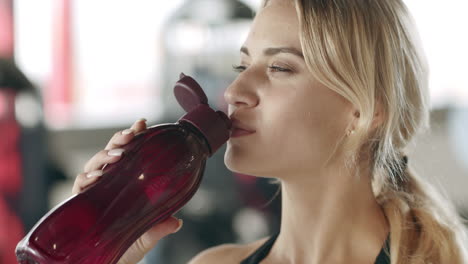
{"points": [[72, 73]]}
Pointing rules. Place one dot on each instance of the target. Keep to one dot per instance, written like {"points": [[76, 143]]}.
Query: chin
{"points": [[235, 164], [242, 166], [239, 159], [238, 164]]}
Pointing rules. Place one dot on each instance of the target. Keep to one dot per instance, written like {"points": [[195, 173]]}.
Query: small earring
{"points": [[350, 132]]}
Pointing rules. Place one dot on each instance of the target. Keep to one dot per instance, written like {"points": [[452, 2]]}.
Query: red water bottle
{"points": [[159, 173]]}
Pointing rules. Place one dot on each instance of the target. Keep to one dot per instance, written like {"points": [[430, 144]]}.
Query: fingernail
{"points": [[181, 223], [115, 152], [141, 120], [127, 131], [95, 173]]}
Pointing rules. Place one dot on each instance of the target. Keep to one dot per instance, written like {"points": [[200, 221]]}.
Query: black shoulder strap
{"points": [[261, 252], [383, 257]]}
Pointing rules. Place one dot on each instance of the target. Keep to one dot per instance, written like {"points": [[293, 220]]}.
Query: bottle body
{"points": [[160, 171]]}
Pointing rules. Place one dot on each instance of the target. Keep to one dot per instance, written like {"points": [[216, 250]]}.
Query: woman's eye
{"points": [[241, 68], [238, 68], [278, 69]]}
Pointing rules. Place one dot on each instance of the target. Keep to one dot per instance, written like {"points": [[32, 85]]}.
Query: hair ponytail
{"points": [[424, 227]]}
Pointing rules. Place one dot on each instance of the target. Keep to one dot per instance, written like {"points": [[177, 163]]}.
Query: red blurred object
{"points": [[11, 229], [57, 96], [6, 29], [10, 158]]}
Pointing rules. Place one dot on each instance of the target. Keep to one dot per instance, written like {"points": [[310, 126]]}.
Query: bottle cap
{"points": [[214, 125]]}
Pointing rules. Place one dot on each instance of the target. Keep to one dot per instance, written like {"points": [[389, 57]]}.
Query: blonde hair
{"points": [[368, 51]]}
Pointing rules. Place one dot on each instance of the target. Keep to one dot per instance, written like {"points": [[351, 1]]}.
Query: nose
{"points": [[241, 93]]}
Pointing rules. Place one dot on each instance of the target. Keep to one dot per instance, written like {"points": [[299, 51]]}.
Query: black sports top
{"points": [[263, 251]]}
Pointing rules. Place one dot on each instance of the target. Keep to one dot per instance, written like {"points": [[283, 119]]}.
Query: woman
{"points": [[335, 91]]}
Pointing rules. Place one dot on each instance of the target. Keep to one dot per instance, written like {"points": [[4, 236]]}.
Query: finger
{"points": [[139, 125], [120, 138], [149, 239], [103, 157], [169, 226], [85, 180], [160, 230]]}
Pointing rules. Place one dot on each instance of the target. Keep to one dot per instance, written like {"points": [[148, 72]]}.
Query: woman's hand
{"points": [[93, 170]]}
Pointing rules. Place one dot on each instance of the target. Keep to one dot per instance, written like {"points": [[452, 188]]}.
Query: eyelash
{"points": [[240, 68]]}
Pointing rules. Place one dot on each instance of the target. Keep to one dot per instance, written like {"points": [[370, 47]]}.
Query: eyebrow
{"points": [[274, 51]]}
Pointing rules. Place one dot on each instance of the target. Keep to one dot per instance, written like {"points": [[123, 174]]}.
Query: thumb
{"points": [[160, 230], [149, 239]]}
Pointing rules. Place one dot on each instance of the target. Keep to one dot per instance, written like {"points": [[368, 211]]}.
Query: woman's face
{"points": [[297, 120]]}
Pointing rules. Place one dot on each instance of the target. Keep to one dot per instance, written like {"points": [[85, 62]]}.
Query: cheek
{"points": [[307, 137], [306, 131]]}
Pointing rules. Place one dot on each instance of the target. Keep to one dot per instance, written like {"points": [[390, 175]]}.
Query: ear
{"points": [[354, 117], [378, 116]]}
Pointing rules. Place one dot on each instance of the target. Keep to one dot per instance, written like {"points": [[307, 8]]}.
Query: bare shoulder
{"points": [[227, 253]]}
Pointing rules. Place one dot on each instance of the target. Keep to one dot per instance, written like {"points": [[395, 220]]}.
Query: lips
{"points": [[236, 132], [236, 124]]}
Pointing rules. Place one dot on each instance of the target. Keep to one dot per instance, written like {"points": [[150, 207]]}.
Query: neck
{"points": [[329, 218]]}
